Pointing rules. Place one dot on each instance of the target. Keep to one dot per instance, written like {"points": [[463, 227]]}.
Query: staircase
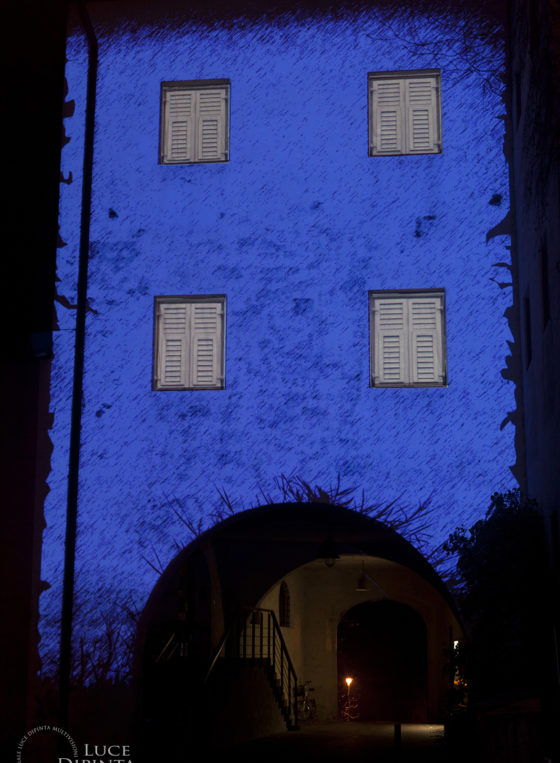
{"points": [[255, 638]]}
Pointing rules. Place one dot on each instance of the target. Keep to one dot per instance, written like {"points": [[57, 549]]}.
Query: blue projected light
{"points": [[295, 229]]}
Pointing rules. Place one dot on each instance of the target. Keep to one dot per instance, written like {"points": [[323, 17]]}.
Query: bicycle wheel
{"points": [[305, 711]]}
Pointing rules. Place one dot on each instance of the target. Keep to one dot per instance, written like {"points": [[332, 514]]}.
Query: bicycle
{"points": [[306, 705]]}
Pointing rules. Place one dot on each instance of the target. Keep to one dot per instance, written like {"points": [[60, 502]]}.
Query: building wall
{"points": [[535, 30], [293, 634], [534, 70], [294, 229], [33, 52]]}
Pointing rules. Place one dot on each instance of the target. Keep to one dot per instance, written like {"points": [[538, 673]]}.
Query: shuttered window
{"points": [[189, 342], [404, 113], [407, 332], [194, 122]]}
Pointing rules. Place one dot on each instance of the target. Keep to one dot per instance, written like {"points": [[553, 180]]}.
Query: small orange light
{"points": [[348, 681]]}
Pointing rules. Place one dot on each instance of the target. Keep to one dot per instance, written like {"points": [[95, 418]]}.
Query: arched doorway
{"points": [[382, 645]]}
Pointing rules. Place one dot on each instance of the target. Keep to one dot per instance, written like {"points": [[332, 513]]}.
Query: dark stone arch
{"points": [[230, 566], [254, 549]]}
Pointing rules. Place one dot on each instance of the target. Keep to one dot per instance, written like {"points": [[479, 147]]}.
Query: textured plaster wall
{"points": [[294, 634], [294, 229]]}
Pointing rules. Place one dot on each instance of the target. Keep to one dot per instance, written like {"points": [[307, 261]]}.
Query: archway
{"points": [[241, 563], [383, 646]]}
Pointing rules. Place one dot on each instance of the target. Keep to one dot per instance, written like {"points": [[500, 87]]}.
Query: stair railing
{"points": [[255, 635]]}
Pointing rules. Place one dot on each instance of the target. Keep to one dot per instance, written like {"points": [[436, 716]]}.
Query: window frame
{"points": [[189, 299], [409, 295], [194, 86], [404, 77], [284, 606]]}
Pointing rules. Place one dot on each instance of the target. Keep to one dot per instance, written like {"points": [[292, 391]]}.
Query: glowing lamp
{"points": [[328, 552], [348, 681]]}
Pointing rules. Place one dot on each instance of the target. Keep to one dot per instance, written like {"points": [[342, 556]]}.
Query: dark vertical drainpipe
{"points": [[77, 392]]}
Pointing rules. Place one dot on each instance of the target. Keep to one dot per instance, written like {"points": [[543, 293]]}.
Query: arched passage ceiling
{"points": [[255, 548]]}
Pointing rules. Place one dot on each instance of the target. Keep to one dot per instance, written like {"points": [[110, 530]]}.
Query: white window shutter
{"points": [[390, 337], [387, 127], [422, 115], [207, 345], [425, 317], [211, 144], [178, 126], [172, 368]]}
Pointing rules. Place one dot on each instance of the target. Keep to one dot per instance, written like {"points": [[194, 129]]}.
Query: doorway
{"points": [[382, 646]]}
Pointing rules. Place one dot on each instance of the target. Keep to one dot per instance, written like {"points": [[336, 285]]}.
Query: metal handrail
{"points": [[281, 664], [277, 631], [171, 640], [221, 644]]}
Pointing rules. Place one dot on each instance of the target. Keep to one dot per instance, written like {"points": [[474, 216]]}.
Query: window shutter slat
{"points": [[421, 115], [387, 110], [207, 328], [211, 125], [194, 122], [390, 339], [179, 123], [190, 335], [425, 322], [407, 334], [172, 361], [404, 113]]}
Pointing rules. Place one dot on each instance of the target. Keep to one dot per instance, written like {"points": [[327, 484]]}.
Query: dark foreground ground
{"points": [[354, 741]]}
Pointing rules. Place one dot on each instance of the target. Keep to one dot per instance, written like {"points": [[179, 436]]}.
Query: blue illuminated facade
{"points": [[295, 230]]}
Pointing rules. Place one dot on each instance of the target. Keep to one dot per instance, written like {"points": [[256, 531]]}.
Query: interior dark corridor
{"points": [[382, 646]]}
